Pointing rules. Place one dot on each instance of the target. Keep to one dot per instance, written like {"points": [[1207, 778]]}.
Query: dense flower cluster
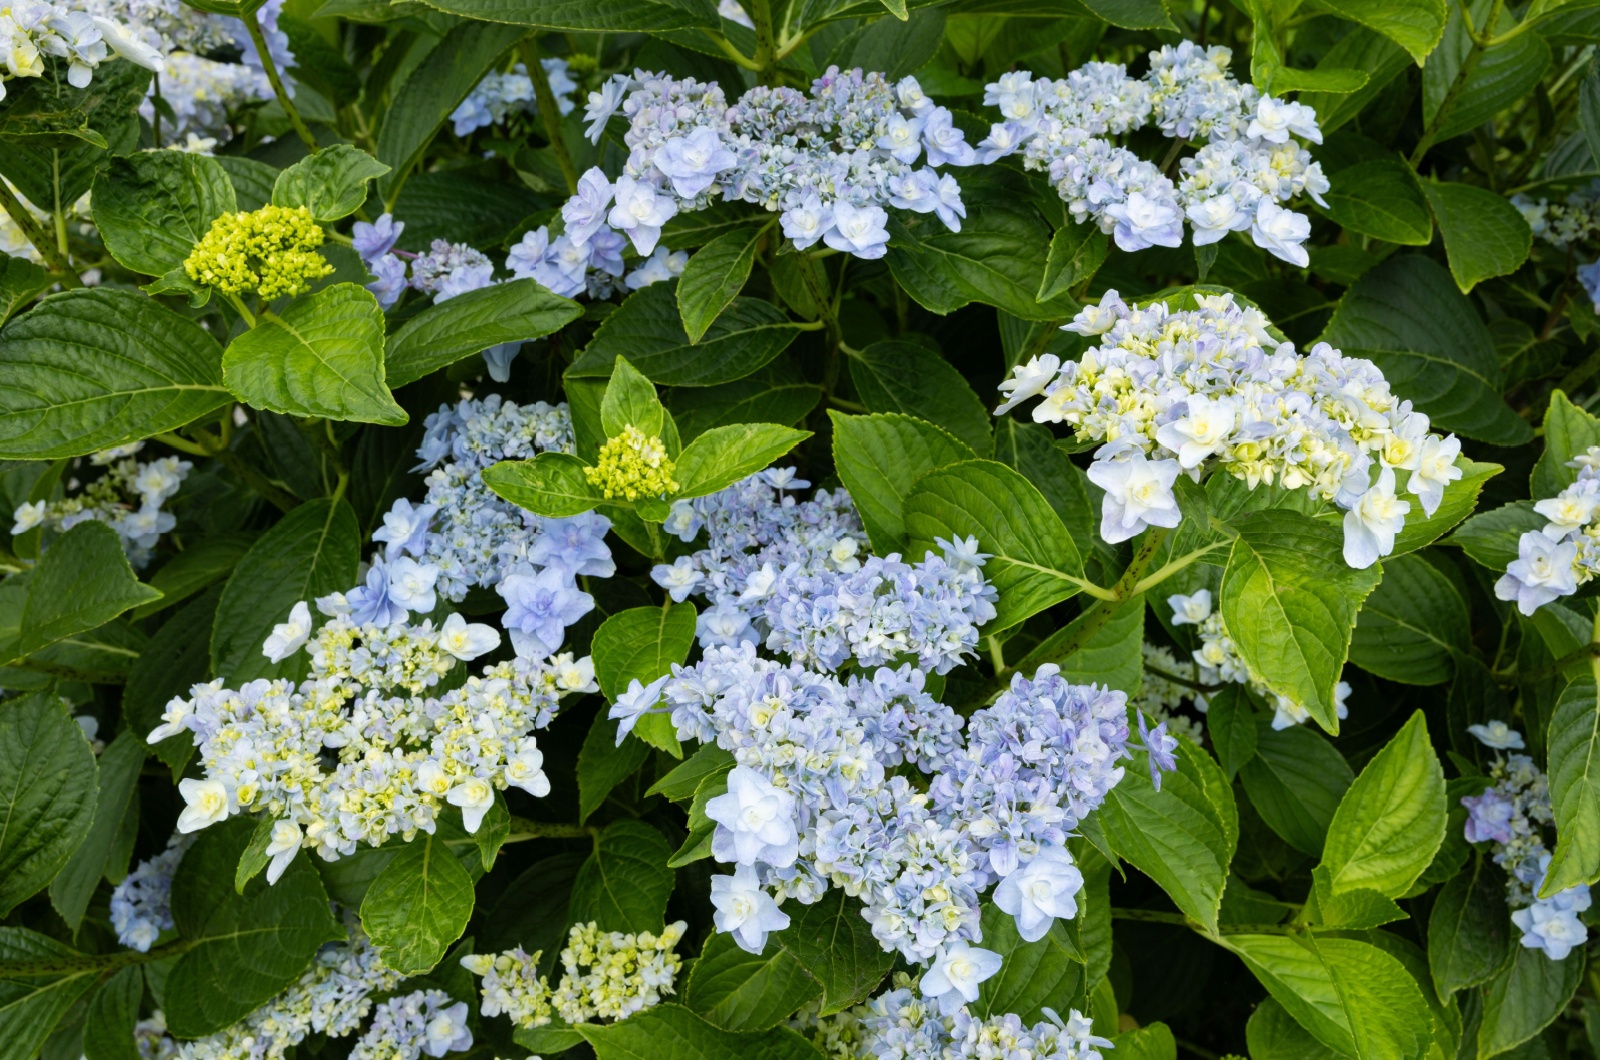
{"points": [[1511, 816], [1185, 391], [632, 465], [127, 497], [33, 29], [421, 1022], [606, 975], [815, 796], [141, 906], [1237, 181], [402, 752], [204, 95], [501, 94], [1219, 660], [793, 574], [899, 1025], [1567, 224], [271, 252], [1564, 555]]}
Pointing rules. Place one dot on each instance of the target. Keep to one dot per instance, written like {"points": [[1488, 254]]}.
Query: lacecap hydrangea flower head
{"points": [[1175, 392], [1564, 555]]}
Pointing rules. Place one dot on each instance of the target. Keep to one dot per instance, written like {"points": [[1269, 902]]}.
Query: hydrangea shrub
{"points": [[799, 529]]}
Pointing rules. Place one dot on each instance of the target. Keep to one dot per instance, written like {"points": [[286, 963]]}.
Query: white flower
{"points": [[1275, 119], [206, 804], [858, 230], [1138, 493], [640, 212], [447, 1031], [1097, 318], [574, 675], [1202, 432], [475, 796], [603, 104], [1567, 511], [287, 637], [744, 909], [1190, 610], [411, 584], [958, 970], [1370, 526], [1280, 232], [128, 46], [807, 221], [1040, 891], [1498, 735], [28, 516], [467, 640], [1436, 469], [524, 769], [282, 848], [634, 704], [1541, 572], [1028, 380], [755, 822], [1215, 217]]}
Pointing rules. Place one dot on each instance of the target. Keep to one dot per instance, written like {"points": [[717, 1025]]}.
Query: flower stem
{"points": [[41, 240], [549, 111], [766, 43], [253, 25], [1127, 587]]}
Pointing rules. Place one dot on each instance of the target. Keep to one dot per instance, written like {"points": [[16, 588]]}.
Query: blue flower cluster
{"points": [[898, 1025], [1511, 816], [500, 95], [141, 904]]}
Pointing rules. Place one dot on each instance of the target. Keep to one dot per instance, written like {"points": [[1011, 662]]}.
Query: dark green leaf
{"points": [[834, 942], [74, 885], [880, 458], [741, 991], [152, 207], [82, 581], [1381, 199], [1484, 235], [1413, 625], [625, 883], [1469, 929], [713, 277], [418, 905], [906, 377], [48, 794], [1526, 996], [446, 332], [1295, 782]]}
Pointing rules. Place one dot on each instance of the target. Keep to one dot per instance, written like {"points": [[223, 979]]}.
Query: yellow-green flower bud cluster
{"points": [[633, 465], [606, 975], [271, 251]]}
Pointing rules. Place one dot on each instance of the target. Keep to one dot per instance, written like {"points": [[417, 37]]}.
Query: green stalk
{"points": [[549, 112]]}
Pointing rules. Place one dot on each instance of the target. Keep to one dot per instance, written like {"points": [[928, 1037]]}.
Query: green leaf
{"points": [[1460, 499], [625, 883], [1407, 316], [686, 777], [1391, 820], [1569, 432], [1182, 836], [1077, 250], [20, 280], [1272, 1034], [773, 394], [74, 885], [1231, 725], [741, 991], [252, 180], [1353, 997], [672, 1032], [48, 794], [322, 357], [83, 580], [1033, 563], [905, 377], [1574, 744], [603, 763], [697, 846], [177, 657], [1589, 109], [1413, 625], [1382, 199], [1295, 782], [108, 1033], [418, 906], [419, 107], [446, 332], [138, 369], [152, 207], [1526, 997], [1033, 976], [713, 277], [648, 330], [1505, 74], [641, 644], [1491, 537], [255, 858], [311, 552], [31, 1008], [1360, 49], [1031, 449], [1112, 655], [551, 484], [630, 400], [724, 455], [1469, 929], [834, 942], [1415, 25], [199, 566], [243, 949], [627, 16], [331, 183], [1153, 1041], [1484, 235], [879, 458], [1290, 603]]}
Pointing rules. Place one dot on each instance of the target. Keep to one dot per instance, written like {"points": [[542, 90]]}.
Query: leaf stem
{"points": [[41, 240], [766, 43], [278, 498], [549, 112], [253, 25], [1127, 587], [1469, 65]]}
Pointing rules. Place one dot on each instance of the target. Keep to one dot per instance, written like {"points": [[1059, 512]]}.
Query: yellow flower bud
{"points": [[633, 465], [271, 251]]}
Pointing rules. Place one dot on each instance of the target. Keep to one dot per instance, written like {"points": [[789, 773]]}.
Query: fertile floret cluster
{"points": [[127, 497], [365, 748], [830, 162], [141, 905], [421, 1022], [1511, 815], [271, 252], [633, 466], [900, 1025], [1564, 555], [606, 975], [502, 94], [1237, 181], [1219, 660], [31, 30], [1567, 224], [1185, 391], [1160, 696]]}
